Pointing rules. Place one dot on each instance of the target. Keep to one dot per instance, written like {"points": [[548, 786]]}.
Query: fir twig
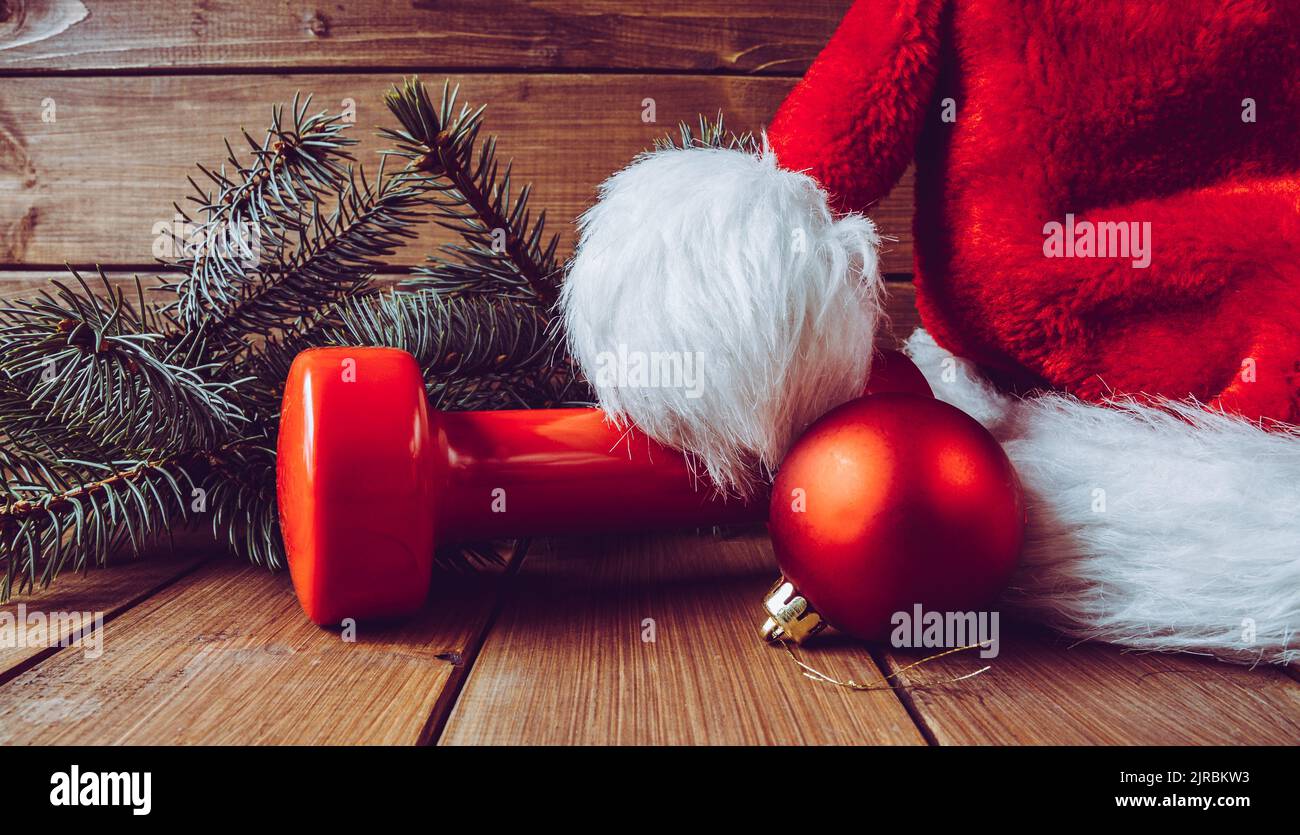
{"points": [[92, 360], [306, 256], [254, 208], [130, 504], [449, 337], [505, 251], [710, 133]]}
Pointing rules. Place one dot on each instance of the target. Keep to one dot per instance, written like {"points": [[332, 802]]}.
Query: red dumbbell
{"points": [[370, 480]]}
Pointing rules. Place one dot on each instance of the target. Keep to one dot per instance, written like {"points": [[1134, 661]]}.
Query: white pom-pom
{"points": [[1156, 527], [716, 303]]}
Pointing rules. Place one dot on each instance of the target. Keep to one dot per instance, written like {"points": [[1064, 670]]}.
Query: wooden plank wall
{"points": [[105, 106], [102, 119]]}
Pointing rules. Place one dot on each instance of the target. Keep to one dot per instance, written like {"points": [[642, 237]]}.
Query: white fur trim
{"points": [[1197, 544], [722, 256]]}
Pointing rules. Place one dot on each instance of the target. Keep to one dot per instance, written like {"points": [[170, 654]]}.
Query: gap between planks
{"points": [[465, 661], [106, 590]]}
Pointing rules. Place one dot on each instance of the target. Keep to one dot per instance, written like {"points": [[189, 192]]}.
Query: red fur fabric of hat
{"points": [[1108, 196]]}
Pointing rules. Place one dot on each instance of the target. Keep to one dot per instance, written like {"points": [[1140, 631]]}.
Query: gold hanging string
{"points": [[817, 675]]}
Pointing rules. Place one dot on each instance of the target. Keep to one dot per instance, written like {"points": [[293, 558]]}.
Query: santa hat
{"points": [[1107, 205]]}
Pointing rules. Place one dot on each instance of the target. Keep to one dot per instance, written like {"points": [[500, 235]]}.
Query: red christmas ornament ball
{"points": [[894, 371], [893, 500]]}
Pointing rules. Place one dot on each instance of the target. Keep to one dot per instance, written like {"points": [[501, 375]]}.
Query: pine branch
{"points": [[316, 257], [25, 469], [256, 208], [102, 421], [132, 504], [332, 259], [31, 438], [475, 352], [709, 133], [449, 337], [505, 251], [241, 501], [93, 362], [548, 387], [268, 363]]}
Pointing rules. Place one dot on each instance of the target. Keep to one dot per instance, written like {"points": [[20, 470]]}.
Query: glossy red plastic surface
{"points": [[356, 473], [895, 500], [371, 479]]}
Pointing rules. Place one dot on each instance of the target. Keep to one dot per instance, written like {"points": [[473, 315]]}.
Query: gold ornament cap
{"points": [[790, 616]]}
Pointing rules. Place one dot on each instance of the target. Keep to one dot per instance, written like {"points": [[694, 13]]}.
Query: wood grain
{"points": [[568, 661], [762, 36], [1044, 690], [226, 656], [105, 592], [93, 185]]}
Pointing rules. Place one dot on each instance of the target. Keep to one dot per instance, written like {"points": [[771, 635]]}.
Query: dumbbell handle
{"points": [[554, 471]]}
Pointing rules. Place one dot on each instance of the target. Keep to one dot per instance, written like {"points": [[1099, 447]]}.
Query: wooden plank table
{"points": [[646, 639], [225, 656], [638, 640]]}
